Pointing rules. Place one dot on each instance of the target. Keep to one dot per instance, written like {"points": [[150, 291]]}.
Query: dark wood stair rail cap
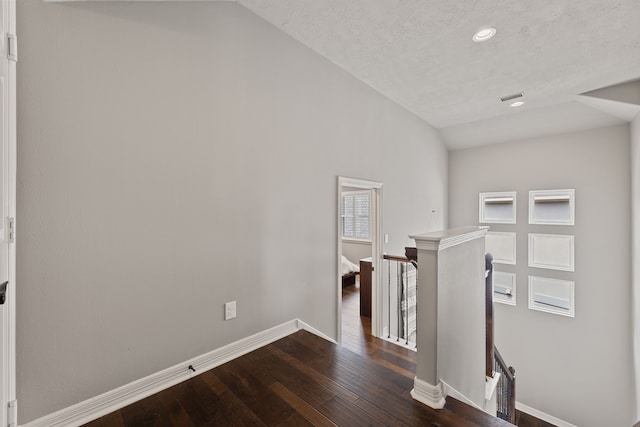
{"points": [[411, 253]]}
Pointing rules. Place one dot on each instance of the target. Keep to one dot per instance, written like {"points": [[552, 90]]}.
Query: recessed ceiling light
{"points": [[484, 34], [517, 104]]}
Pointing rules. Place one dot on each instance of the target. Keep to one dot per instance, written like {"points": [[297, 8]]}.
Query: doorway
{"points": [[359, 234]]}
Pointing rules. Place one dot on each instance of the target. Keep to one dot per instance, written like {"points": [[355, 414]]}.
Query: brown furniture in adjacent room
{"points": [[366, 268], [349, 279]]}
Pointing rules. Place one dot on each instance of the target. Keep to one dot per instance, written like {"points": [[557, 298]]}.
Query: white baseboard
{"points": [[542, 416], [430, 395], [91, 409], [306, 327]]}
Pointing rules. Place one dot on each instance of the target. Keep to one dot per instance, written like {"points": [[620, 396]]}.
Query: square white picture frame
{"points": [[552, 207], [552, 251], [497, 207], [552, 296], [502, 246], [504, 288]]}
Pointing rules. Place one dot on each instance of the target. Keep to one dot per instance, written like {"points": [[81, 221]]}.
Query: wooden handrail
{"points": [[396, 258], [506, 370], [411, 253], [489, 315]]}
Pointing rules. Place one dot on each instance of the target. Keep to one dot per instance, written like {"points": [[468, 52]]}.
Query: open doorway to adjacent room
{"points": [[359, 253]]}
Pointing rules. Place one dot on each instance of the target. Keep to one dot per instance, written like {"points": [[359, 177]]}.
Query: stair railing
{"points": [[506, 389], [401, 295], [495, 364]]}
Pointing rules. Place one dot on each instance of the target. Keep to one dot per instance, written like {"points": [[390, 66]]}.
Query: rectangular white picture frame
{"points": [[502, 246], [552, 251], [552, 207], [504, 287], [497, 208], [552, 296]]}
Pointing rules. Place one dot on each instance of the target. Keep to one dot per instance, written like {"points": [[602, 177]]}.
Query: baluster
{"points": [[398, 296], [415, 268], [405, 280], [388, 298]]}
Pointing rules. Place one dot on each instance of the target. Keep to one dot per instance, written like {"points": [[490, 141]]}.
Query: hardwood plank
{"points": [[113, 419], [388, 391], [235, 411], [275, 370], [95, 423], [175, 411], [305, 369], [409, 373], [348, 414], [394, 359], [197, 400], [258, 397], [379, 414], [353, 364], [308, 412], [296, 420], [526, 420], [148, 412]]}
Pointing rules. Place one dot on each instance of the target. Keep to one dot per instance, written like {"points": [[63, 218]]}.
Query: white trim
{"points": [[358, 183], [502, 246], [369, 194], [507, 277], [490, 385], [376, 252], [567, 248], [91, 409], [450, 391], [8, 334], [552, 196], [504, 198], [441, 240], [356, 241], [557, 284], [308, 328], [541, 415], [498, 200], [430, 395]]}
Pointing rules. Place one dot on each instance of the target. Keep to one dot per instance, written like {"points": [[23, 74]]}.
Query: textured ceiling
{"points": [[419, 53]]}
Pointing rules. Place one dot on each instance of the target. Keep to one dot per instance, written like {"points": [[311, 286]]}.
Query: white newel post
{"points": [[451, 317]]}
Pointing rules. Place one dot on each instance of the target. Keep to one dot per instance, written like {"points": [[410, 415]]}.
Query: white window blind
{"points": [[355, 215]]}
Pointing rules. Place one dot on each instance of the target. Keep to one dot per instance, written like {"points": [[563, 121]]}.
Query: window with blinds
{"points": [[355, 214]]}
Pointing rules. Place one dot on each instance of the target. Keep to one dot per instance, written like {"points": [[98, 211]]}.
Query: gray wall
{"points": [[355, 251], [635, 225], [577, 369], [175, 156], [462, 319]]}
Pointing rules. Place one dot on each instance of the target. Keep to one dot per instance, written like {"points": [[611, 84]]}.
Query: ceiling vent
{"points": [[511, 97]]}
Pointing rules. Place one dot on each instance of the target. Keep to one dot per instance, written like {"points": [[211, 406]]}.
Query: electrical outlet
{"points": [[230, 310]]}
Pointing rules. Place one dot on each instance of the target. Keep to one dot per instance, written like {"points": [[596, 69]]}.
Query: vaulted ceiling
{"points": [[571, 59], [420, 54]]}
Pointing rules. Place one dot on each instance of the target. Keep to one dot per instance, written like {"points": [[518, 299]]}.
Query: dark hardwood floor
{"points": [[356, 336], [303, 380]]}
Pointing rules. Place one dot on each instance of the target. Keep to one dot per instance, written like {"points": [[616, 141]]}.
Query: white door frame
{"points": [[8, 410], [376, 251]]}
